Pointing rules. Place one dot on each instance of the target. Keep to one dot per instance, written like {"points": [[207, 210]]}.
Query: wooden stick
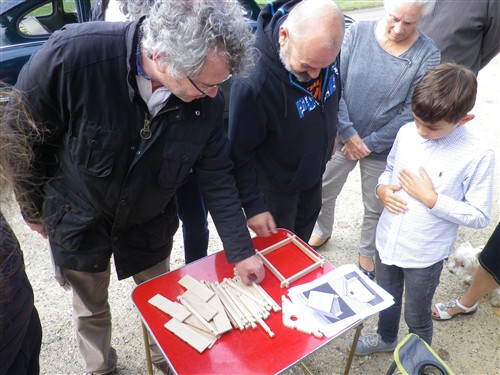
{"points": [[241, 306], [277, 245], [238, 314], [306, 250], [188, 306], [246, 293], [304, 272], [256, 315], [231, 314], [273, 269], [265, 295]]}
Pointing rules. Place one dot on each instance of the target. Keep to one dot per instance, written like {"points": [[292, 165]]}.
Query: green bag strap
{"points": [[406, 354]]}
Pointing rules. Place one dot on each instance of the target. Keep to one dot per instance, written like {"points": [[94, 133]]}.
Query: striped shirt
{"points": [[461, 170]]}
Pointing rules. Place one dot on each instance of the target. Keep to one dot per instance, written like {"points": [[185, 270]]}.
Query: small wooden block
{"points": [[202, 291], [189, 335], [174, 309], [205, 310]]}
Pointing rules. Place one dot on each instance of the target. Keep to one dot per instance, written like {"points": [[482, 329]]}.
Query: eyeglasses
{"points": [[204, 89]]}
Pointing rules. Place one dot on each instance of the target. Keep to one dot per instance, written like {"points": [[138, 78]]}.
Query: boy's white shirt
{"points": [[461, 170]]}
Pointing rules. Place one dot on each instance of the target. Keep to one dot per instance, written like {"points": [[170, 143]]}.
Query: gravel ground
{"points": [[471, 344]]}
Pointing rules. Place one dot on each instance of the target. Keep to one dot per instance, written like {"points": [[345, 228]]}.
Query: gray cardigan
{"points": [[377, 86]]}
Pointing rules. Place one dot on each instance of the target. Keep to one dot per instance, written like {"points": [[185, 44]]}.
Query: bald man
{"points": [[283, 117]]}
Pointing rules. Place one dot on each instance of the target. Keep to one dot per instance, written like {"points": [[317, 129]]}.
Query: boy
{"points": [[438, 176]]}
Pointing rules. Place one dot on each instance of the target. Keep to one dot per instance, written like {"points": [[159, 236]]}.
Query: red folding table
{"points": [[250, 351]]}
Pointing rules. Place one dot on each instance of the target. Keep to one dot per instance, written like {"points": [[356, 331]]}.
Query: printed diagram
{"points": [[337, 300]]}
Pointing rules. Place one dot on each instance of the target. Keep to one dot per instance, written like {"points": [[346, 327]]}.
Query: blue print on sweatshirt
{"points": [[308, 103]]}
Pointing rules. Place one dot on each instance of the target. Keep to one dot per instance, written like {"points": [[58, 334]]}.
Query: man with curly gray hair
{"points": [[128, 110]]}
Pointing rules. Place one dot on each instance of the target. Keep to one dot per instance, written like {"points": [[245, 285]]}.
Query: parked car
{"points": [[26, 24]]}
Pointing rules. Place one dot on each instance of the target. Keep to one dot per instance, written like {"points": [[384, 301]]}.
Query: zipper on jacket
{"points": [[145, 132]]}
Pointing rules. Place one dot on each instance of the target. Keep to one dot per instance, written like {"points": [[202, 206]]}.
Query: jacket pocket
{"points": [[176, 163], [93, 151], [66, 217]]}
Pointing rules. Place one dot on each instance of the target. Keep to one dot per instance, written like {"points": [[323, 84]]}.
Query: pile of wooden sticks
{"points": [[207, 310]]}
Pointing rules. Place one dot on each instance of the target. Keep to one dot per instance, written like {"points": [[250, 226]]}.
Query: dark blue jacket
{"points": [[278, 131]]}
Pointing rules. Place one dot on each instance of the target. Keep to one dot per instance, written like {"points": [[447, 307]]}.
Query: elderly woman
{"points": [[381, 62]]}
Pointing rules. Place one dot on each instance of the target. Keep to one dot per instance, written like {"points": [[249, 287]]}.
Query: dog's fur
{"points": [[463, 262]]}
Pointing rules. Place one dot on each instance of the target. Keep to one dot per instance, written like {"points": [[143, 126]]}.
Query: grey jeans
{"points": [[334, 178], [92, 316]]}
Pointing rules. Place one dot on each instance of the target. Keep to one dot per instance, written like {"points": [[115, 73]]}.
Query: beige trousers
{"points": [[92, 316]]}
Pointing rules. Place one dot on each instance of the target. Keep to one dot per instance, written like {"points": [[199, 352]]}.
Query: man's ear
{"points": [[282, 35], [468, 117], [161, 68]]}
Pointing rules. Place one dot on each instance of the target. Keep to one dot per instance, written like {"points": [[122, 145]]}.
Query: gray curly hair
{"points": [[181, 34]]}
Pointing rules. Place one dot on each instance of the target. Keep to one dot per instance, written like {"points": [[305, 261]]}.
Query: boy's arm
{"points": [[385, 191], [419, 187], [473, 210], [390, 200]]}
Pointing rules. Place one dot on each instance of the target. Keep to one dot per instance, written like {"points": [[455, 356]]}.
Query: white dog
{"points": [[463, 263]]}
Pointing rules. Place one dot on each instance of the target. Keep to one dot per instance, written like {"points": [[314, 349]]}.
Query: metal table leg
{"points": [[148, 351], [353, 348]]}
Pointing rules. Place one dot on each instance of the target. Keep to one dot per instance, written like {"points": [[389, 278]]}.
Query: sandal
{"points": [[442, 310], [370, 274]]}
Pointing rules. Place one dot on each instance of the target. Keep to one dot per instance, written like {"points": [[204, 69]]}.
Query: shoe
{"points": [[163, 367], [370, 274], [316, 241], [373, 343], [442, 310]]}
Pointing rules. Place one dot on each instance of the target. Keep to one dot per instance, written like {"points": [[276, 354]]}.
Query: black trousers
{"points": [[296, 212]]}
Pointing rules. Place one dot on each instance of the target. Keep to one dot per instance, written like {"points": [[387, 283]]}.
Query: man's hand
{"points": [[262, 224], [37, 228], [419, 187], [355, 149], [251, 269], [390, 200]]}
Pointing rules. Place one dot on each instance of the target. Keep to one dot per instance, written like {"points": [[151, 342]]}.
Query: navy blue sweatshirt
{"points": [[280, 131]]}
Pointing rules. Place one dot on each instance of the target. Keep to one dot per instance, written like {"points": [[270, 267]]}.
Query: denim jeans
{"points": [[419, 285], [193, 214]]}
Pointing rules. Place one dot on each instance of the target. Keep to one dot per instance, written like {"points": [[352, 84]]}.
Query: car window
{"points": [[46, 18]]}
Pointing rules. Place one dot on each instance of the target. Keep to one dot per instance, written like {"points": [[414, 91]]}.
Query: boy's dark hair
{"points": [[447, 92]]}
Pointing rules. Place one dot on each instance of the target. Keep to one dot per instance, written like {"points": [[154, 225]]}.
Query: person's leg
{"points": [[482, 284], [193, 214], [385, 339], [308, 207], [92, 316], [420, 286], [370, 172], [283, 207], [157, 356], [334, 178], [27, 360], [484, 278], [391, 279]]}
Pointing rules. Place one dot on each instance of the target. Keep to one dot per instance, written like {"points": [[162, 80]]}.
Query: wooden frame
{"points": [[285, 282]]}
